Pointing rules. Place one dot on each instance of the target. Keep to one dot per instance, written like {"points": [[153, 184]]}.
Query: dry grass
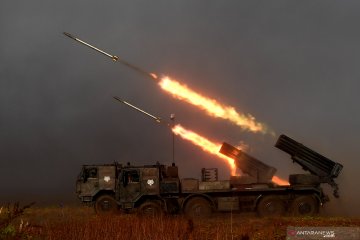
{"points": [[81, 223]]}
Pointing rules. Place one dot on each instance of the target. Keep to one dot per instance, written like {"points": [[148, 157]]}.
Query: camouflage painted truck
{"points": [[157, 189]]}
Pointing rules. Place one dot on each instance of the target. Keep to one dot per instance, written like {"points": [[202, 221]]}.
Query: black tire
{"points": [[306, 205], [172, 206], [150, 209], [271, 206], [198, 207], [106, 204], [304, 179]]}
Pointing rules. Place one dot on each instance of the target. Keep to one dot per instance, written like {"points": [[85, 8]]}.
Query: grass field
{"points": [[82, 223]]}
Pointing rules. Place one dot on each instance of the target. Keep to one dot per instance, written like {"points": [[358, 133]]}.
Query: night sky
{"points": [[293, 65]]}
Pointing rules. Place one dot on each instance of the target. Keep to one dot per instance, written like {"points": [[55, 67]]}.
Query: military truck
{"points": [[157, 189]]}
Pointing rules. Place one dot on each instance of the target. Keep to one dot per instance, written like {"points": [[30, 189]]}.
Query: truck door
{"points": [[106, 176], [130, 186], [88, 182], [150, 181]]}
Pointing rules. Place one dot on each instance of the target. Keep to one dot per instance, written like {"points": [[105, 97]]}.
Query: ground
{"points": [[65, 222]]}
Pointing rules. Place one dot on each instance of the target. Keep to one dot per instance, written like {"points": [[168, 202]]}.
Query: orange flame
{"points": [[211, 106], [280, 181], [204, 144]]}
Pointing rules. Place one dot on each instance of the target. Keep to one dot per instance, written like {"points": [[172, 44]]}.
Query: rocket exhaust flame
{"points": [[211, 106], [204, 144], [280, 181]]}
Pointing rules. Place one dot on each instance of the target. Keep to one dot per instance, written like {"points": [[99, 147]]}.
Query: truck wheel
{"points": [[151, 209], [304, 206], [105, 204], [270, 206], [198, 208]]}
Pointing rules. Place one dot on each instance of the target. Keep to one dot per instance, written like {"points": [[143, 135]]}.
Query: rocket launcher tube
{"points": [[308, 158], [248, 164], [311, 161]]}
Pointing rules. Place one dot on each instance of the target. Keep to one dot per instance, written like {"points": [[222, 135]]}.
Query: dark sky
{"points": [[294, 65]]}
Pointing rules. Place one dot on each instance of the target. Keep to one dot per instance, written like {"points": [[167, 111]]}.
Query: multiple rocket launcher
{"points": [[324, 169]]}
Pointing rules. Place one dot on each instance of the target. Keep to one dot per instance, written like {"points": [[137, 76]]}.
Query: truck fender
{"points": [[102, 192], [257, 200], [145, 198], [207, 197]]}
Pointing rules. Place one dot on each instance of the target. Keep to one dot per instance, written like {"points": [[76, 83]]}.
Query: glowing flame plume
{"points": [[204, 144], [279, 181], [211, 106]]}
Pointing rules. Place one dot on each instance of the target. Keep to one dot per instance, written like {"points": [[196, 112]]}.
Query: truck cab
{"points": [[114, 186], [94, 180]]}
